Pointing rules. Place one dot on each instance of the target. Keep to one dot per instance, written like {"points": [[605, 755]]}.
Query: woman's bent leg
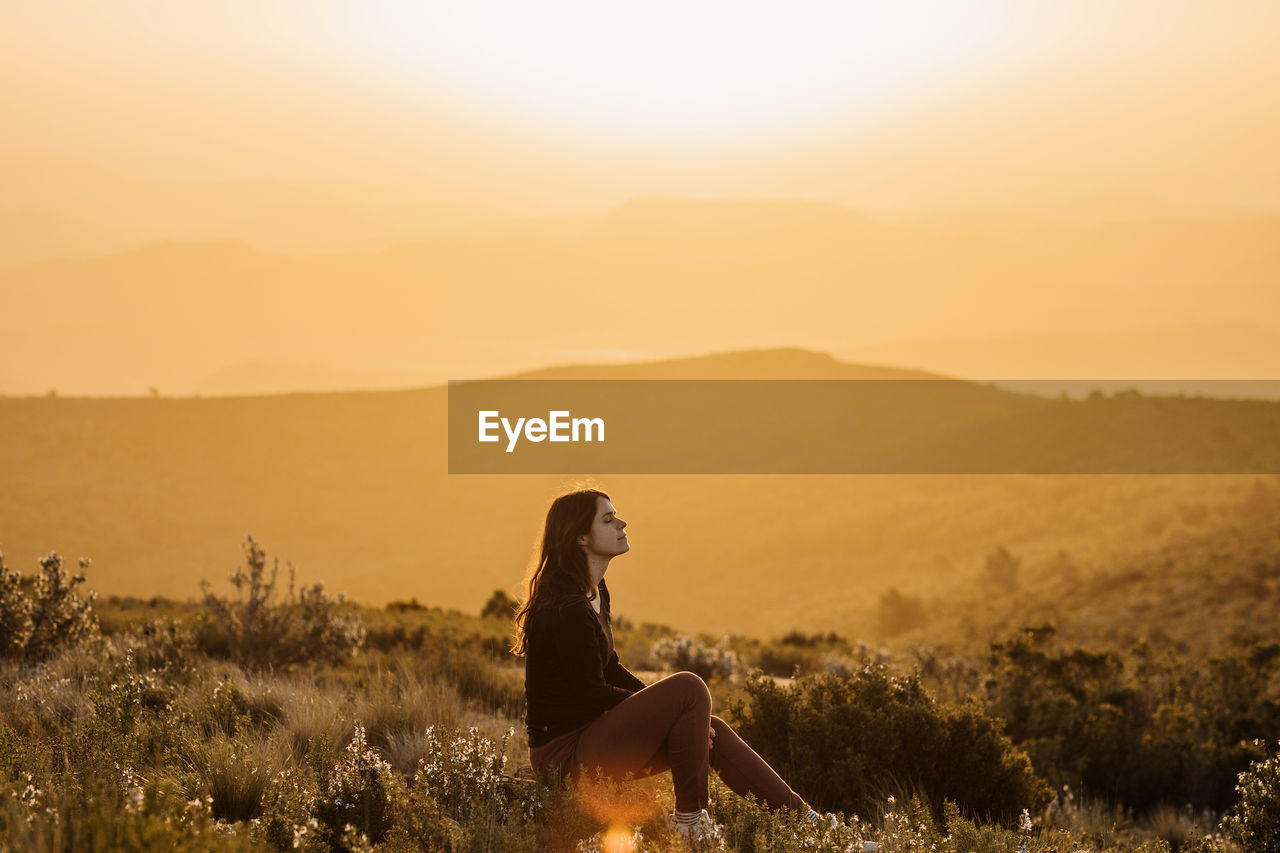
{"points": [[746, 773], [668, 722]]}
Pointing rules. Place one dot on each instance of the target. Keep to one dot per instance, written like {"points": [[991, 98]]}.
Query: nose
{"points": [[621, 524]]}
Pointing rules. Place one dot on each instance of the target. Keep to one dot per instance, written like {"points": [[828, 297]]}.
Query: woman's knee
{"points": [[719, 725], [691, 685]]}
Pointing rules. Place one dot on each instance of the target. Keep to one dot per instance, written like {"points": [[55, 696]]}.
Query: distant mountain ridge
{"points": [[771, 363], [737, 274]]}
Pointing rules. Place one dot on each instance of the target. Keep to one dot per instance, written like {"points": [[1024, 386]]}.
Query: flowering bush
{"points": [[464, 775], [684, 653], [257, 632], [41, 615], [126, 693], [1255, 821], [163, 644], [288, 813], [358, 792]]}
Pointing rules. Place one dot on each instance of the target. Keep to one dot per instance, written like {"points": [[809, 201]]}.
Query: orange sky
{"points": [[924, 104]]}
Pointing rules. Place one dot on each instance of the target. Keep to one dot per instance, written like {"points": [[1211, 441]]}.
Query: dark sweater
{"points": [[571, 672]]}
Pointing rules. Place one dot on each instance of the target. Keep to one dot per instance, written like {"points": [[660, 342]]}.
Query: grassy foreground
{"points": [[310, 723]]}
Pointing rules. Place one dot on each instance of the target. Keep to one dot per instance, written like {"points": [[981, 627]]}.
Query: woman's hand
{"points": [[712, 741]]}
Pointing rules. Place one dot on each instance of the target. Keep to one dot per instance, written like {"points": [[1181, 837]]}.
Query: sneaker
{"points": [[704, 834]]}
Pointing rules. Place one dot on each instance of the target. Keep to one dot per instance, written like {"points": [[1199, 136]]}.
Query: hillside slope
{"points": [[353, 489]]}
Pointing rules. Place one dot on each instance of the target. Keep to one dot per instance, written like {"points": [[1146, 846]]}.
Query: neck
{"points": [[597, 566]]}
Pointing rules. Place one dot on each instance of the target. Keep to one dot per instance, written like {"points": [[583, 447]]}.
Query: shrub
{"points": [[500, 606], [234, 707], [784, 660], [257, 632], [164, 645], [127, 692], [288, 809], [405, 606], [808, 652], [1160, 731], [688, 654], [463, 775], [39, 616], [358, 792], [1254, 823], [846, 742], [97, 815], [799, 638]]}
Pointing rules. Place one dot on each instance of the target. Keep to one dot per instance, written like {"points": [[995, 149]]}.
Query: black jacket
{"points": [[571, 672]]}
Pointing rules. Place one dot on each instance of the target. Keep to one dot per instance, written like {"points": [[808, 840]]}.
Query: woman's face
{"points": [[606, 537]]}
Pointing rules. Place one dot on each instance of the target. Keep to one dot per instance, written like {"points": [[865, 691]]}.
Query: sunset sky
{"points": [[556, 106], [241, 196]]}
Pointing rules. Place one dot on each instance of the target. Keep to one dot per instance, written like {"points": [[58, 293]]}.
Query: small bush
{"points": [[808, 652], [164, 645], [846, 742], [463, 774], [1254, 823], [358, 792], [235, 706], [685, 653], [288, 809], [118, 704], [500, 606], [405, 606], [41, 615], [257, 632], [783, 660]]}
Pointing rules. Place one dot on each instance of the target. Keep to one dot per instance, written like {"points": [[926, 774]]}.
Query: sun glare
{"points": [[679, 68]]}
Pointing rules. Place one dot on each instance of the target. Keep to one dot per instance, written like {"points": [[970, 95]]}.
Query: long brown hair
{"points": [[560, 573]]}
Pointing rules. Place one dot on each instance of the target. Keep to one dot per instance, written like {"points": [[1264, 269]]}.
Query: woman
{"points": [[585, 710]]}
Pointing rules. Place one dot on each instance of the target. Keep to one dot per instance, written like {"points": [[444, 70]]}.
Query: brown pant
{"points": [[667, 726]]}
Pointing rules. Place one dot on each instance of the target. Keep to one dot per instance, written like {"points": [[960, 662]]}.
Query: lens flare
{"points": [[619, 804], [618, 839]]}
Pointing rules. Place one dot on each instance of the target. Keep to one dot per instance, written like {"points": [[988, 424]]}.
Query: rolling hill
{"points": [[353, 489]]}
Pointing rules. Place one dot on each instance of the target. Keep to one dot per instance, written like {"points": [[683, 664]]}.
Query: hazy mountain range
{"points": [[1187, 297]]}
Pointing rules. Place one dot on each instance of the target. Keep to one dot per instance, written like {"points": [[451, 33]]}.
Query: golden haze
{"points": [[203, 199]]}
